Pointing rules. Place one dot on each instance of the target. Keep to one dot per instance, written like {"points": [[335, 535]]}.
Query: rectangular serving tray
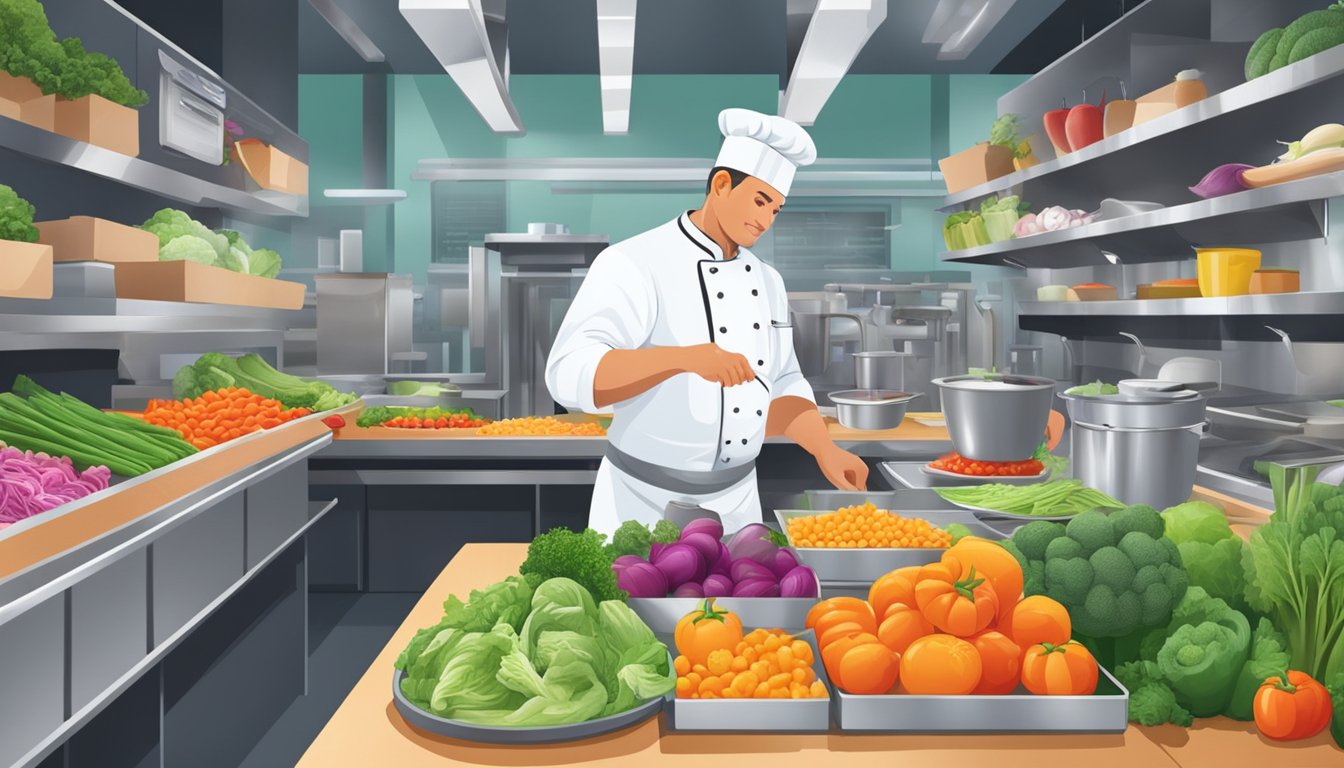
{"points": [[760, 715], [1106, 711]]}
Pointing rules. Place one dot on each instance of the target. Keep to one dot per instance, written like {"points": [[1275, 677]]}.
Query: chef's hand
{"points": [[716, 364], [845, 470]]}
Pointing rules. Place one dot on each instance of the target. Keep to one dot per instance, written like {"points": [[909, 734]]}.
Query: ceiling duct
{"points": [[470, 39], [616, 61], [349, 31], [824, 37], [959, 26]]}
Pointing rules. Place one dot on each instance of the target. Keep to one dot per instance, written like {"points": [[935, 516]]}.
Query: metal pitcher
{"points": [[811, 313]]}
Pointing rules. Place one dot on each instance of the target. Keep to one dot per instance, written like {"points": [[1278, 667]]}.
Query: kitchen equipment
{"points": [[1226, 271], [1140, 446], [996, 417], [984, 305], [811, 313], [1111, 208], [880, 370], [1197, 373], [871, 408], [920, 331], [1025, 359], [1276, 281], [352, 250], [191, 112], [501, 734], [542, 228], [1143, 352], [661, 614], [363, 320]]}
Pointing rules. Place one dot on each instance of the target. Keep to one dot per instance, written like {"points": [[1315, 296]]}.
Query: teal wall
{"points": [[671, 116]]}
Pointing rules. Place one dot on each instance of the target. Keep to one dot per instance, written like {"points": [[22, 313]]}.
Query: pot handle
{"points": [[863, 336], [1054, 430]]}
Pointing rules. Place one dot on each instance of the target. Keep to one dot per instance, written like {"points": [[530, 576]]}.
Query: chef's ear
{"points": [[721, 183]]}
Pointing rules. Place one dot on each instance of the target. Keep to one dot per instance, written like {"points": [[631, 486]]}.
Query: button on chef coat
{"points": [[671, 287]]}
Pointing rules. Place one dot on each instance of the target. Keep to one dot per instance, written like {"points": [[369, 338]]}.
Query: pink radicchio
{"points": [[32, 483]]}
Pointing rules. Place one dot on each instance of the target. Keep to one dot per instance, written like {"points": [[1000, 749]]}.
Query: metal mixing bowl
{"points": [[871, 408], [996, 417]]}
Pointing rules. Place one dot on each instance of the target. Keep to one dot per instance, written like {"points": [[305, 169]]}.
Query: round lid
{"points": [[996, 382], [1141, 404], [1155, 389]]}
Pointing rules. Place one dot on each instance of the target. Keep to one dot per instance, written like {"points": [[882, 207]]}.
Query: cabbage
{"points": [[188, 248], [170, 224], [1095, 389], [264, 262]]}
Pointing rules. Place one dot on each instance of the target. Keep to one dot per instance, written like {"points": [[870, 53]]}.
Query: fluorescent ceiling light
{"points": [[838, 31], [616, 61], [455, 32], [348, 30]]}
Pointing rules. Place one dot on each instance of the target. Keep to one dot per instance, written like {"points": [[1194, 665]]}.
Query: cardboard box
{"points": [[21, 99], [85, 238], [271, 168], [189, 281], [96, 120], [975, 166], [25, 270]]}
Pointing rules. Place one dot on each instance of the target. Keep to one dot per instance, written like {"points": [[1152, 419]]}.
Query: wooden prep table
{"points": [[367, 730]]}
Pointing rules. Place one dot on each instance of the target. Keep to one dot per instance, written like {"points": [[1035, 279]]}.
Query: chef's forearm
{"points": [[797, 418], [626, 373]]}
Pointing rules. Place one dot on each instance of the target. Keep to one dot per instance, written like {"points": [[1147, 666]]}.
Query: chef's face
{"points": [[745, 211]]}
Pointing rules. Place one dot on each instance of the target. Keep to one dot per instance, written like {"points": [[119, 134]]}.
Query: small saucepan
{"points": [[871, 408]]}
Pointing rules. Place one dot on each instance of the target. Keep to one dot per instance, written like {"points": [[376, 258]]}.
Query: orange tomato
{"points": [[955, 604], [902, 626], [706, 630], [993, 562], [841, 630], [940, 665], [1037, 619], [833, 653], [862, 616], [870, 669], [1059, 670], [1000, 663], [832, 604], [898, 586], [1299, 709]]}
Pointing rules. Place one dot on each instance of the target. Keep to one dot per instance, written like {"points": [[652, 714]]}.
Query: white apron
{"points": [[686, 439]]}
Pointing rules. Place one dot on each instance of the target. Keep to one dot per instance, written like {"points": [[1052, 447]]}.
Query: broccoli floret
{"points": [[1063, 548], [1142, 550], [665, 532], [1068, 581], [1155, 602], [631, 538], [1091, 529], [1138, 517], [1034, 537], [1155, 704], [1113, 568], [1033, 578], [578, 556]]}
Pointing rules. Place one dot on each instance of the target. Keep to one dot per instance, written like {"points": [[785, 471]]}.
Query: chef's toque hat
{"points": [[767, 147]]}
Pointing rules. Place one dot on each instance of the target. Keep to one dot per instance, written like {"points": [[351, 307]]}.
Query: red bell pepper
{"points": [[1084, 124], [1054, 121], [334, 421]]}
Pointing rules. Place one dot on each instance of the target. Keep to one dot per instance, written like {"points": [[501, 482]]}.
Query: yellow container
{"points": [[1226, 271]]}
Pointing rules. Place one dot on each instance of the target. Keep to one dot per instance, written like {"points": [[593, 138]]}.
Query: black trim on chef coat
{"points": [[709, 324]]}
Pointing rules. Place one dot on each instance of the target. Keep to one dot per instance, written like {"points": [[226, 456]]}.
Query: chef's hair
{"points": [[735, 177]]}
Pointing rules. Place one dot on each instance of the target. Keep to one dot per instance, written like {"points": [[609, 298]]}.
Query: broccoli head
{"points": [[1155, 704], [16, 217], [665, 532], [1137, 517], [581, 557], [1032, 538], [1092, 530], [631, 538]]}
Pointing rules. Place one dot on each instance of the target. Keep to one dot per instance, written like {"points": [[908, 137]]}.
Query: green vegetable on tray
{"points": [[633, 538], [216, 371], [1056, 498], [29, 48], [34, 419], [1097, 388], [182, 238], [379, 414], [516, 656]]}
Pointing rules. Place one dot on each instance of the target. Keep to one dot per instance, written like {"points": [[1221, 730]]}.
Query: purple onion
{"points": [[1223, 180], [784, 562], [717, 585], [799, 582], [655, 548], [753, 543], [724, 562], [747, 570], [756, 588], [707, 525], [689, 589], [681, 563], [706, 545], [642, 580], [625, 561]]}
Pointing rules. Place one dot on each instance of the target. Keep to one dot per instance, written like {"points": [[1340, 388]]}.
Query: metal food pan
{"points": [[661, 614], [745, 715], [1106, 711], [867, 565], [831, 500]]}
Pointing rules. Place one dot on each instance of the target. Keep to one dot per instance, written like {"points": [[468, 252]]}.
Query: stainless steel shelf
{"points": [[363, 196], [140, 174], [1269, 305], [1292, 78], [1281, 213]]}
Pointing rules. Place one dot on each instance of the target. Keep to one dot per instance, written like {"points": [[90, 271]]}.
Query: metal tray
{"points": [[663, 613], [829, 500], [1106, 711], [999, 514], [942, 474], [867, 565], [916, 475], [495, 734], [768, 715]]}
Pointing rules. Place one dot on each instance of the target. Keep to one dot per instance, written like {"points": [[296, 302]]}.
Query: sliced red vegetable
{"points": [[334, 421]]}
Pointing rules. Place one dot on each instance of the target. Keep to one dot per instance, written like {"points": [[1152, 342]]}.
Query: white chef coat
{"points": [[671, 287]]}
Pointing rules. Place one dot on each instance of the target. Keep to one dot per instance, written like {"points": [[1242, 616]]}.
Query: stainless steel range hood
{"points": [[825, 36], [470, 40]]}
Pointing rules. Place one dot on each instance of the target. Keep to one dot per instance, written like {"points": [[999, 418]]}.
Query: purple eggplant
{"points": [[717, 585], [756, 588], [753, 542], [799, 582], [642, 580], [681, 563], [707, 525]]}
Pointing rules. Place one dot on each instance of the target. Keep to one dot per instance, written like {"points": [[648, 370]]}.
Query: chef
{"points": [[683, 335]]}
